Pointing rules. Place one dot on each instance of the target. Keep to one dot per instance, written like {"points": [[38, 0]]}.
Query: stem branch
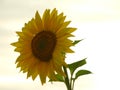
{"points": [[67, 82]]}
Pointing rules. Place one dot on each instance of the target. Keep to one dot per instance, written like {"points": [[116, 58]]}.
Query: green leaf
{"points": [[76, 42], [59, 78], [75, 65], [82, 72]]}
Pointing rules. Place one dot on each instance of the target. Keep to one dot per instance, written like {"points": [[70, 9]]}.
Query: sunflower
{"points": [[41, 45]]}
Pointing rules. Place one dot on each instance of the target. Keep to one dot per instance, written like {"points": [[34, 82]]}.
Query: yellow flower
{"points": [[41, 45]]}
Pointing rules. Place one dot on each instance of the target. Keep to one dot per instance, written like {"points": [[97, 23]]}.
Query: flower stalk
{"points": [[67, 82], [69, 79]]}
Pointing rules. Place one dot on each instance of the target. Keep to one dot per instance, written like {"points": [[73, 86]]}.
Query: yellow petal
{"points": [[46, 19], [38, 21]]}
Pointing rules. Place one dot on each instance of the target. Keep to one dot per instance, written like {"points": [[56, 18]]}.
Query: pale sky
{"points": [[98, 23]]}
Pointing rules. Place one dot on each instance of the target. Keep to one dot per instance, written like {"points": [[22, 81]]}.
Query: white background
{"points": [[98, 23]]}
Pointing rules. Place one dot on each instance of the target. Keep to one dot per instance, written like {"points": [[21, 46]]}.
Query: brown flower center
{"points": [[43, 45]]}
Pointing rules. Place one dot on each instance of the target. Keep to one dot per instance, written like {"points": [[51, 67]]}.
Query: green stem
{"points": [[67, 82], [72, 82], [73, 85]]}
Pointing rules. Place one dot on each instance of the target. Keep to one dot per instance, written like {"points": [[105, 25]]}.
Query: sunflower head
{"points": [[41, 45]]}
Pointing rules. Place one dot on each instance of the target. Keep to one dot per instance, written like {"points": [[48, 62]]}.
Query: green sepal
{"points": [[75, 65], [76, 42], [82, 72], [59, 78]]}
